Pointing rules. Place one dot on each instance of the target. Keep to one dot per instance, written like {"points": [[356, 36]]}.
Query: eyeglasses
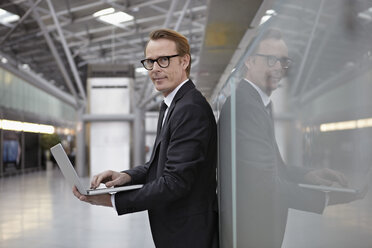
{"points": [[162, 61], [271, 60]]}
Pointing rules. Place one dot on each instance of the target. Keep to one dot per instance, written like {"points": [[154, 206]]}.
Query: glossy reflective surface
{"points": [[39, 210]]}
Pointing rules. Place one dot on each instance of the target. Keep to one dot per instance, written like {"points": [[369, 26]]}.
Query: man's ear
{"points": [[249, 61], [185, 60]]}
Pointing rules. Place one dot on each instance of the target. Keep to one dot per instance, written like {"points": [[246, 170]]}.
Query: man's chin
{"points": [[162, 90], [273, 85]]}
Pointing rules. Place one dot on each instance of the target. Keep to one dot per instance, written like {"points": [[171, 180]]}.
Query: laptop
{"points": [[328, 189], [354, 190], [70, 175]]}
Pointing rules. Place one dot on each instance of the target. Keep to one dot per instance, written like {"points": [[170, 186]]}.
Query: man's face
{"points": [[166, 79], [267, 77]]}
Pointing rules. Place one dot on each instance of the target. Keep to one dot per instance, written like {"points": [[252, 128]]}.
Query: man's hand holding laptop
{"points": [[335, 184], [101, 200], [110, 179]]}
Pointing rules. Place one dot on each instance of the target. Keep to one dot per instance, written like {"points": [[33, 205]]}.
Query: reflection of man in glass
{"points": [[266, 186]]}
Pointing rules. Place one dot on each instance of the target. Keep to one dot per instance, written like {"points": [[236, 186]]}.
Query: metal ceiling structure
{"points": [[55, 41], [328, 40]]}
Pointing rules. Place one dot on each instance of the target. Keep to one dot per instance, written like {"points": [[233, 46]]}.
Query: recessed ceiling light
{"points": [[116, 18], [265, 18], [24, 67], [104, 12], [7, 17], [270, 12], [111, 16]]}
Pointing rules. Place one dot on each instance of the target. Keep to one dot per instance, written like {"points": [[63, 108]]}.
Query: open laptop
{"points": [[355, 190], [328, 189], [70, 175]]}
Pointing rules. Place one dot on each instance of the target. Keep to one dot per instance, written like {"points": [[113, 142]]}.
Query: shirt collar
{"points": [[169, 98], [265, 98]]}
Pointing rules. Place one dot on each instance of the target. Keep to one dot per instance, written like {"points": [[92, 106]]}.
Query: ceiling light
{"points": [[264, 19], [6, 17], [366, 14], [4, 60], [113, 17], [346, 125], [116, 18], [270, 12], [25, 67], [26, 127], [104, 12]]}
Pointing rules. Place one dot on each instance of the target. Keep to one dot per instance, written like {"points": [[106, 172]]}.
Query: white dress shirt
{"points": [[265, 98], [168, 101]]}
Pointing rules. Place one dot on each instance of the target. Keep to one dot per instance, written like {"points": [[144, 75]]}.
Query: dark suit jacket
{"points": [[266, 186], [180, 178]]}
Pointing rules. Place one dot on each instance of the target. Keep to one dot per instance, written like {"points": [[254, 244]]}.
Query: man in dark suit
{"points": [[265, 186], [179, 189]]}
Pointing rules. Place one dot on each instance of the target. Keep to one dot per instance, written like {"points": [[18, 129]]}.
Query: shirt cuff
{"points": [[113, 201]]}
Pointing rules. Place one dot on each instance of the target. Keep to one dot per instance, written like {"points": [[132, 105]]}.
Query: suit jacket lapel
{"points": [[255, 95], [180, 93]]}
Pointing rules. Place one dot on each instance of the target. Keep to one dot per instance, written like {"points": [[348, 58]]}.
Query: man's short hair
{"points": [[270, 33], [182, 44]]}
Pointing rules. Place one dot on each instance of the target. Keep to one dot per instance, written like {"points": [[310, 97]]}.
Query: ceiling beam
{"points": [[170, 13], [19, 22], [67, 52], [183, 12], [298, 80], [56, 56]]}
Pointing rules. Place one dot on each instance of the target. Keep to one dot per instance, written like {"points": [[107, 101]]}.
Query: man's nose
{"points": [[156, 66], [278, 65]]}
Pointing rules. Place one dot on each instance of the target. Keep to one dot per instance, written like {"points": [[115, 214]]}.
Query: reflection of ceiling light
{"points": [[113, 17], [6, 17], [4, 60], [366, 15], [269, 13], [346, 125]]}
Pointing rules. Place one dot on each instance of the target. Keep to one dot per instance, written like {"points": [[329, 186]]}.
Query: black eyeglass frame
{"points": [[271, 60], [157, 61]]}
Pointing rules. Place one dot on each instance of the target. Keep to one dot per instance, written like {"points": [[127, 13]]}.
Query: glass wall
{"points": [[295, 129], [19, 95]]}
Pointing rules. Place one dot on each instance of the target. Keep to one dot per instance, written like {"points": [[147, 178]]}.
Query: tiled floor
{"points": [[38, 210]]}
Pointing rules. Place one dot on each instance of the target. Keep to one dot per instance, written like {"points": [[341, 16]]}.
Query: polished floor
{"points": [[340, 226], [38, 210]]}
